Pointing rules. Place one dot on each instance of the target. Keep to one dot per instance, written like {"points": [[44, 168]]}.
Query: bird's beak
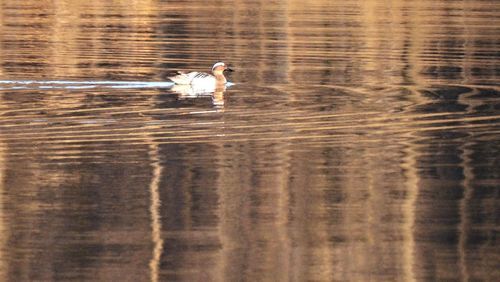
{"points": [[229, 70]]}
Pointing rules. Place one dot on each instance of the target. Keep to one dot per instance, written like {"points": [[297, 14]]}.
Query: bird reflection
{"points": [[216, 92]]}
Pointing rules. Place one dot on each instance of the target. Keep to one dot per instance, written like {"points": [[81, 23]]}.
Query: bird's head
{"points": [[219, 68]]}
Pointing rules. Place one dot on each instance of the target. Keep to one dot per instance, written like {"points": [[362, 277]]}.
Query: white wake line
{"points": [[66, 84]]}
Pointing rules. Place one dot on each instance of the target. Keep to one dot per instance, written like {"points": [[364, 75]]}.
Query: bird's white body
{"points": [[194, 78]]}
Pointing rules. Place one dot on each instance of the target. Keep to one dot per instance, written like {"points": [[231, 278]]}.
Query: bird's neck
{"points": [[220, 78]]}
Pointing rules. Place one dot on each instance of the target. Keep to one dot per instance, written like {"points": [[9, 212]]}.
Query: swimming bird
{"points": [[202, 79]]}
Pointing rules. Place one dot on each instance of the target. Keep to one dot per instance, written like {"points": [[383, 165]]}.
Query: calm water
{"points": [[361, 141]]}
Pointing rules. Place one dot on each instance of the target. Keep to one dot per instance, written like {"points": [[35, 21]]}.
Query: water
{"points": [[360, 141]]}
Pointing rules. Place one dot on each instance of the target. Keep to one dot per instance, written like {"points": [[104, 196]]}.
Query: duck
{"points": [[203, 79]]}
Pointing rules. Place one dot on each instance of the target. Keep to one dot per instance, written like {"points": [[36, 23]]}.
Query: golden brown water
{"points": [[360, 142]]}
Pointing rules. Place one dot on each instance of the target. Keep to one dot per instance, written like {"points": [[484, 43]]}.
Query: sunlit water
{"points": [[359, 142]]}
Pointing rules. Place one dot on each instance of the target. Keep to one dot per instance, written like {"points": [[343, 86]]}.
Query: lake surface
{"points": [[359, 142]]}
